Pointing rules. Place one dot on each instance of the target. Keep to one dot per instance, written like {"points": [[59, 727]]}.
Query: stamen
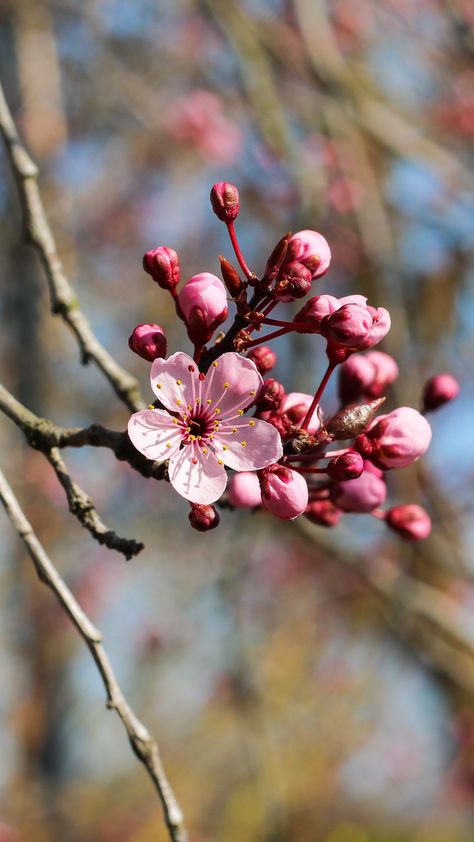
{"points": [[243, 443], [241, 412], [209, 400], [215, 363], [226, 385], [251, 423], [220, 462], [150, 406], [179, 382], [158, 385]]}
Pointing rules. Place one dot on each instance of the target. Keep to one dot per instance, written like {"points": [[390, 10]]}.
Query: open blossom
{"points": [[201, 428]]}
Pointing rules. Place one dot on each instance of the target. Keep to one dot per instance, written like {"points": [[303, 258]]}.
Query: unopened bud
{"points": [[148, 341], [348, 326], [231, 278], [361, 495], [311, 249], [244, 490], [346, 466], [284, 492], [225, 201], [353, 420], [275, 260], [203, 518], [293, 282], [323, 513], [439, 390], [263, 357], [411, 522], [162, 264], [203, 302], [271, 395]]}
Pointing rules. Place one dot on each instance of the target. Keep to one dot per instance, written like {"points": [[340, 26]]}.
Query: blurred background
{"points": [[303, 684]]}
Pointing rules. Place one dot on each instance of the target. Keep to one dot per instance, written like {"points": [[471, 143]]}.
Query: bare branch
{"points": [[144, 745], [64, 301]]}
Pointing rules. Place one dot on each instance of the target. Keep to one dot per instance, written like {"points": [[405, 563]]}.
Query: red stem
{"points": [[268, 337], [197, 353], [238, 253], [318, 395]]}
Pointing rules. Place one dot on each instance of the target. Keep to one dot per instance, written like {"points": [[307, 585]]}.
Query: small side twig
{"points": [[64, 301], [143, 744]]}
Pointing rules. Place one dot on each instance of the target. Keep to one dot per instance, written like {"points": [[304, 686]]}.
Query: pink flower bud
{"points": [[410, 521], [347, 466], [439, 390], [271, 395], [203, 302], [294, 281], [225, 201], [360, 495], [312, 250], [348, 326], [162, 264], [263, 357], [284, 492], [366, 376], [296, 405], [397, 439], [244, 490], [323, 513], [203, 518], [314, 312], [148, 341], [381, 323]]}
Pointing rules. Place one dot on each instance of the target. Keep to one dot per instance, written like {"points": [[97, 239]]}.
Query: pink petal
{"points": [[254, 445], [175, 381], [200, 481], [232, 383], [153, 433]]}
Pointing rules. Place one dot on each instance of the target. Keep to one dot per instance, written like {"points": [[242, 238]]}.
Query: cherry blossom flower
{"points": [[201, 428]]}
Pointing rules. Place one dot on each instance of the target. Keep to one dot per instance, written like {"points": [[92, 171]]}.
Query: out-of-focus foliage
{"points": [[290, 702]]}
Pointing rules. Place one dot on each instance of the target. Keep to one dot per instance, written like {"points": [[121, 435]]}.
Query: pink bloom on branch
{"points": [[162, 263], [312, 250], [284, 492], [203, 302], [201, 429]]}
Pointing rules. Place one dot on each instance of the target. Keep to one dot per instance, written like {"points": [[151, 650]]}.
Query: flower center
{"points": [[199, 427]]}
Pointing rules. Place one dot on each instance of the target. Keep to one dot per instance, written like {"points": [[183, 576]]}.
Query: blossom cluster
{"points": [[219, 410]]}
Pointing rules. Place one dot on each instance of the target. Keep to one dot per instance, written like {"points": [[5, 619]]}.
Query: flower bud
{"points": [[348, 326], [244, 490], [148, 341], [203, 302], [360, 495], [162, 264], [231, 278], [410, 521], [346, 466], [352, 420], [203, 518], [225, 201], [312, 250], [275, 260], [271, 395], [294, 281], [397, 439], [314, 312], [323, 513], [366, 376], [284, 492], [296, 406], [263, 357], [439, 390]]}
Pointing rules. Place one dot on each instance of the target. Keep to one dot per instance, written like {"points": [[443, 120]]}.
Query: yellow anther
{"points": [[241, 411], [203, 449], [174, 420], [150, 406], [234, 429], [252, 393], [217, 410], [198, 401], [189, 407], [224, 447], [168, 444], [158, 385], [220, 462], [209, 400], [210, 437], [215, 363], [251, 423], [243, 443], [193, 438], [226, 385], [179, 382], [179, 402]]}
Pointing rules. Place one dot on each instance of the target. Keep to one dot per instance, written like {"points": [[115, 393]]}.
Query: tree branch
{"points": [[64, 301], [144, 745]]}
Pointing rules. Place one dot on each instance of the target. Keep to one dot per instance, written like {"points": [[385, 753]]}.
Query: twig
{"points": [[43, 435], [64, 301], [143, 744]]}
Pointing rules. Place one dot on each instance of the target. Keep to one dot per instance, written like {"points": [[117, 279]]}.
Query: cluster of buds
{"points": [[220, 410]]}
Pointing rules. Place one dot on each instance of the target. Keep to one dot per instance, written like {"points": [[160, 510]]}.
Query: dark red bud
{"points": [[276, 259], [203, 518], [231, 278], [263, 357], [347, 466], [294, 281], [439, 390], [148, 341], [162, 264], [225, 201], [323, 513], [411, 522], [271, 395]]}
